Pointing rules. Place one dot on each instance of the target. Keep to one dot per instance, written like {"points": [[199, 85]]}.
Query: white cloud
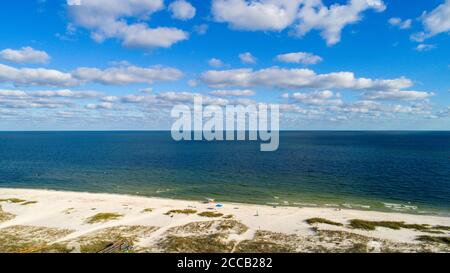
{"points": [[398, 95], [192, 83], [107, 19], [234, 93], [298, 78], [214, 62], [66, 93], [25, 55], [330, 21], [136, 99], [110, 99], [319, 98], [74, 2], [306, 15], [127, 75], [35, 76], [35, 103], [182, 10], [147, 90], [188, 97], [398, 22], [273, 15], [62, 93], [425, 47], [201, 29], [299, 58], [50, 99], [12, 93], [247, 58], [418, 37], [139, 35], [438, 20], [103, 105], [444, 112]]}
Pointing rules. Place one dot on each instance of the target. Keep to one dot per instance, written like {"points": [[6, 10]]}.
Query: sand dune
{"points": [[88, 222]]}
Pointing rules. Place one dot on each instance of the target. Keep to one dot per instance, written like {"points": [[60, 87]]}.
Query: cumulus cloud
{"points": [[201, 29], [444, 112], [324, 105], [136, 99], [35, 103], [247, 58], [425, 47], [182, 10], [24, 55], [103, 105], [109, 99], [12, 93], [273, 15], [298, 78], [438, 20], [21, 99], [299, 58], [188, 97], [306, 15], [401, 24], [35, 76], [418, 37], [325, 97], [66, 93], [398, 95], [330, 21], [164, 100], [127, 75], [214, 62], [121, 75], [147, 90], [62, 93], [233, 93], [108, 19]]}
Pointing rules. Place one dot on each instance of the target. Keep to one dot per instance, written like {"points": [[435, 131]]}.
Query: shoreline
{"points": [[162, 219], [388, 206]]}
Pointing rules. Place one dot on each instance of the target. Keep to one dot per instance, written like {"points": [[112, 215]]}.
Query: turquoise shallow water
{"points": [[404, 171]]}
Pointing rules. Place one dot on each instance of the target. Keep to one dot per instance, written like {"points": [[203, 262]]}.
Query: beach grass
{"points": [[434, 239], [101, 239], [213, 243], [18, 201], [210, 214], [5, 216], [103, 217], [312, 221], [95, 246], [29, 203], [447, 228], [372, 225], [28, 239], [181, 211], [147, 210], [53, 248], [13, 200], [262, 246]]}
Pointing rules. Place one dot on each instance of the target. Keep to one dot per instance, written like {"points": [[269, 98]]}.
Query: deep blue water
{"points": [[324, 168]]}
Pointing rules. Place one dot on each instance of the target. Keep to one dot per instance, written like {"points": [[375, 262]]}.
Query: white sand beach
{"points": [[55, 221]]}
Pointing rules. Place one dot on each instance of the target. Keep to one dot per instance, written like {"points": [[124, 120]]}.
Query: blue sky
{"points": [[118, 64]]}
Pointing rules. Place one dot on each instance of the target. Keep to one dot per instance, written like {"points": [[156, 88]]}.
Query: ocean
{"points": [[376, 170]]}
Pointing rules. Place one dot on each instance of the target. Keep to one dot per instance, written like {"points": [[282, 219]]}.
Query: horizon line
{"points": [[283, 130]]}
